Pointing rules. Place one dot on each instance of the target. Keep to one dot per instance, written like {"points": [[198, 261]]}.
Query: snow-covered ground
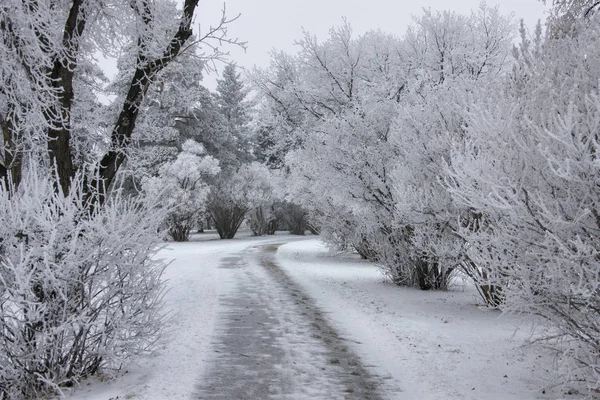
{"points": [[436, 345], [433, 345]]}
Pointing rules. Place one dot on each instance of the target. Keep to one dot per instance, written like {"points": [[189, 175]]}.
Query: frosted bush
{"points": [[181, 185], [79, 291], [529, 168]]}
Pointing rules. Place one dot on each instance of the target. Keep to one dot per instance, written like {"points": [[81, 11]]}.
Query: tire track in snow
{"points": [[273, 342]]}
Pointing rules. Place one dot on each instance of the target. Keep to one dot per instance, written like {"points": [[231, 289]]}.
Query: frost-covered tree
{"points": [[230, 98], [450, 55], [234, 194], [265, 201], [565, 15], [182, 186], [528, 168], [277, 124], [320, 108], [45, 47], [216, 120], [231, 95]]}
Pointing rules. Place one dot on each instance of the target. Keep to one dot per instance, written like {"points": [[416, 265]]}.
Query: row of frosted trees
{"points": [[450, 151]]}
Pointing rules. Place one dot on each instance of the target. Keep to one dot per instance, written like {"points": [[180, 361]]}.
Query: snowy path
{"points": [[250, 322], [273, 342]]}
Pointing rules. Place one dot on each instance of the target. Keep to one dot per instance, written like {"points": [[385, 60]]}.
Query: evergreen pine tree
{"points": [[231, 96]]}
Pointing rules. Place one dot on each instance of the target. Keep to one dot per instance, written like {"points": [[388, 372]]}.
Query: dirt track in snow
{"points": [[272, 342]]}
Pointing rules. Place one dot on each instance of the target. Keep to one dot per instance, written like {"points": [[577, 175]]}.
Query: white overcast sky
{"points": [[276, 24]]}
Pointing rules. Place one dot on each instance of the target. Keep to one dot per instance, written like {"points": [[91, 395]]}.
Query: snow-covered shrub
{"points": [[424, 210], [182, 186], [79, 292], [340, 232], [263, 216], [234, 194], [529, 167], [294, 217], [263, 220], [226, 214]]}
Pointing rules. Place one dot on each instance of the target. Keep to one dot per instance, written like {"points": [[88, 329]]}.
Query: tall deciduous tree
{"points": [[452, 55], [46, 45]]}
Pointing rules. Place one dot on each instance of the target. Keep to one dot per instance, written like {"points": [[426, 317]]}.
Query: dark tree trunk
{"points": [[490, 292], [430, 275], [145, 72], [365, 249], [61, 78], [3, 173], [11, 171], [261, 223]]}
